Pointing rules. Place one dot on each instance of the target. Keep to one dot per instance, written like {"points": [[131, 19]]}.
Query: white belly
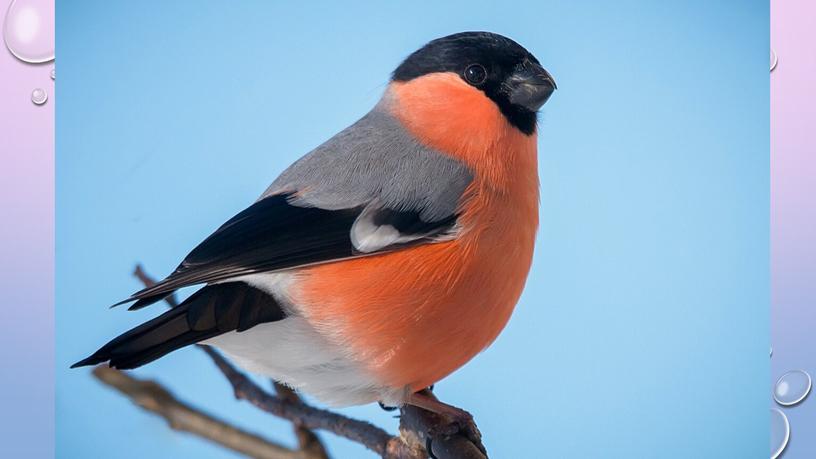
{"points": [[292, 352]]}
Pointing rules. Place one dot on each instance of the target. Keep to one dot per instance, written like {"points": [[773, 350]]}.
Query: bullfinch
{"points": [[388, 256]]}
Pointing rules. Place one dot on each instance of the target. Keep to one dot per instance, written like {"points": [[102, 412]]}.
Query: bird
{"points": [[387, 257]]}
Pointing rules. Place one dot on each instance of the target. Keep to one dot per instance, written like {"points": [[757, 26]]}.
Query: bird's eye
{"points": [[475, 74]]}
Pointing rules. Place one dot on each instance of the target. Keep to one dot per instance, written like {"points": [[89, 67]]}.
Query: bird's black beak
{"points": [[531, 86]]}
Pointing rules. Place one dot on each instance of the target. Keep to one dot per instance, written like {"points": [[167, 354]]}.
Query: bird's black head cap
{"points": [[506, 72]]}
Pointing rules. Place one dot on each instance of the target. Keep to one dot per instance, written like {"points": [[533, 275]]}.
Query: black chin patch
{"points": [[499, 55]]}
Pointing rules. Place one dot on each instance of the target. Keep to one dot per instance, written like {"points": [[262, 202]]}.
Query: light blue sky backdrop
{"points": [[643, 331]]}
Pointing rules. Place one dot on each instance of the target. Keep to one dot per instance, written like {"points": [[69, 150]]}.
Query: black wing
{"points": [[273, 234]]}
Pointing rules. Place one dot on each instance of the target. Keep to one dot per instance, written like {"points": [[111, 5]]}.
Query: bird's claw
{"points": [[460, 422], [386, 407], [429, 448]]}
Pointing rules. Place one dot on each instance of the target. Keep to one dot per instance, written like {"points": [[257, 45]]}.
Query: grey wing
{"points": [[377, 165]]}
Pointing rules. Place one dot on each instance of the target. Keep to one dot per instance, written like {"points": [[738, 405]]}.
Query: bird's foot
{"points": [[453, 420]]}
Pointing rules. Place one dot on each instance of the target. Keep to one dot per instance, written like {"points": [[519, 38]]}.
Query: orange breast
{"points": [[414, 316]]}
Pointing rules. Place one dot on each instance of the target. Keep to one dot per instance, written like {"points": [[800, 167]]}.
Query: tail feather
{"points": [[211, 311]]}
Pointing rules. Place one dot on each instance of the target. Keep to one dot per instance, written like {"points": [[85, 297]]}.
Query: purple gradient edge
{"points": [[793, 209], [26, 258]]}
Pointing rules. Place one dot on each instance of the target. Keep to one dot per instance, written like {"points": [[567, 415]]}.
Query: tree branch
{"points": [[296, 411], [180, 416], [308, 440], [422, 433], [362, 432]]}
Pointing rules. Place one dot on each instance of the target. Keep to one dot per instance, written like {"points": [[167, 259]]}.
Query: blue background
{"points": [[643, 331]]}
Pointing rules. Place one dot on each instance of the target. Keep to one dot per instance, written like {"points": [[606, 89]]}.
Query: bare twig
{"points": [[308, 440], [180, 416], [420, 430], [364, 433]]}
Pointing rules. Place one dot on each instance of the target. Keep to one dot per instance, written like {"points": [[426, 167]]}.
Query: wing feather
{"points": [[371, 188], [273, 235]]}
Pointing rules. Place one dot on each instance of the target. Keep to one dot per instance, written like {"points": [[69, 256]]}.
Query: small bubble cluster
{"points": [[28, 33], [790, 389]]}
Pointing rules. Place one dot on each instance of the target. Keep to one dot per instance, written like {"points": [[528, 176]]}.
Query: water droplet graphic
{"points": [[53, 75], [774, 60], [29, 30], [771, 346], [39, 96], [780, 432], [792, 387]]}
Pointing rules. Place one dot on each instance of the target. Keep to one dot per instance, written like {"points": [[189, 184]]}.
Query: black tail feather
{"points": [[209, 312]]}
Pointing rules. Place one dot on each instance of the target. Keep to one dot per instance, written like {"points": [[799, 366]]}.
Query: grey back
{"points": [[375, 160]]}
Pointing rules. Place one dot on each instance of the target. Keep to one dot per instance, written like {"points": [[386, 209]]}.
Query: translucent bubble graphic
{"points": [[780, 432], [53, 74], [792, 387], [774, 60], [29, 30], [39, 96]]}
